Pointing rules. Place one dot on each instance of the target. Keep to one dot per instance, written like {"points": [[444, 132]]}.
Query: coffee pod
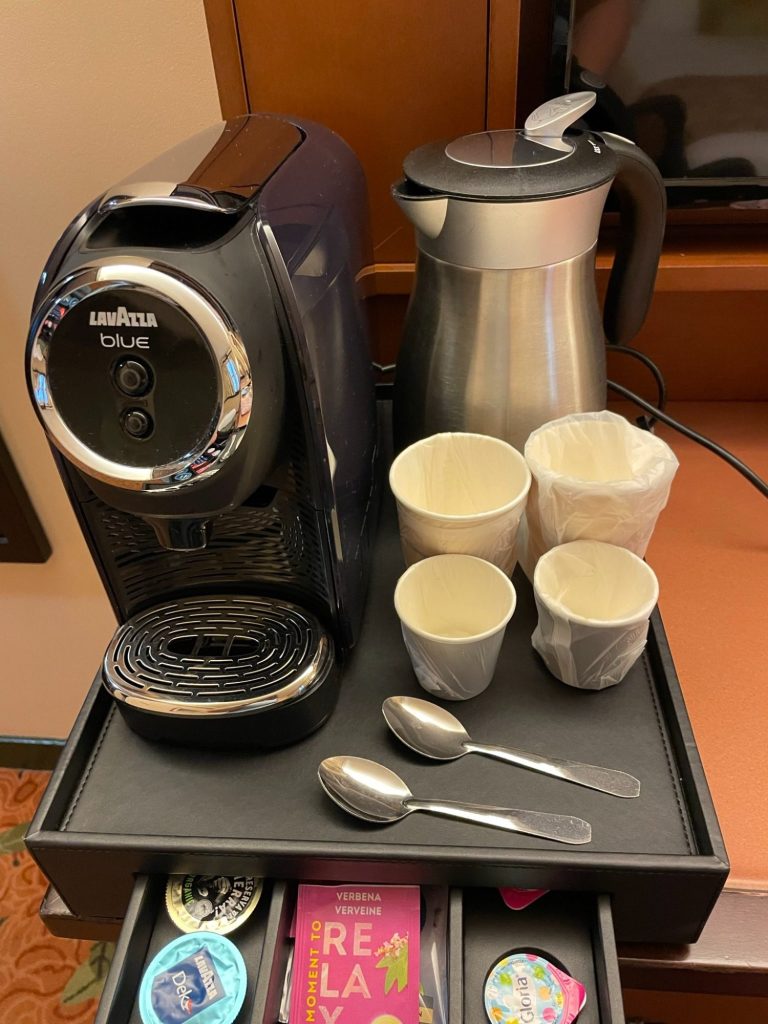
{"points": [[211, 903], [524, 986], [194, 975]]}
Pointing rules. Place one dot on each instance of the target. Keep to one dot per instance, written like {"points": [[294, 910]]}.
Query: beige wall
{"points": [[88, 91]]}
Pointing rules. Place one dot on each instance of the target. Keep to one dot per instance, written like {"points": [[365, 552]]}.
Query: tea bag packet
{"points": [[356, 954], [519, 899]]}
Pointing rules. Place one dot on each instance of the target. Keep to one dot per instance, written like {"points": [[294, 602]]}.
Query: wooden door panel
{"points": [[385, 76]]}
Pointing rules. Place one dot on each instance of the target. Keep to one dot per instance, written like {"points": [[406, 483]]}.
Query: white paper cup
{"points": [[594, 601], [460, 494], [595, 477], [454, 610]]}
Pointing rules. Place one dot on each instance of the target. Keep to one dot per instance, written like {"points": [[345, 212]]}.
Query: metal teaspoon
{"points": [[434, 732], [374, 793]]}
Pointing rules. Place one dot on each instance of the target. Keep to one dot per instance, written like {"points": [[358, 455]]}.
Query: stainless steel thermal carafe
{"points": [[503, 330]]}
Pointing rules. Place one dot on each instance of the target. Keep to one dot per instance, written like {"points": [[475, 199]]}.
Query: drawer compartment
{"points": [[573, 930], [147, 928]]}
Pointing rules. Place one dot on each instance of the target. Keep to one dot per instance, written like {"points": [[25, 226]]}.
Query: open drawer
{"points": [[574, 930]]}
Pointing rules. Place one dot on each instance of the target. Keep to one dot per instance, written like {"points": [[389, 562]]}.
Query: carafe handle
{"points": [[643, 208]]}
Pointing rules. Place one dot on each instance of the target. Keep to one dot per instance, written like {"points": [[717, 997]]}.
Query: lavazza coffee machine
{"points": [[199, 360]]}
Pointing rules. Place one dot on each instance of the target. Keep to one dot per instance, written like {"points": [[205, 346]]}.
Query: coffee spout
{"points": [[425, 210], [181, 534]]}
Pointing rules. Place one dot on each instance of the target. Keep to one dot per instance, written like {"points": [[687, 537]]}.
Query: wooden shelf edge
{"points": [[731, 955], [386, 279], [701, 274], [698, 275]]}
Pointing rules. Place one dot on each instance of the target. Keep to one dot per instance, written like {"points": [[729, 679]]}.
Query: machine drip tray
{"points": [[207, 662]]}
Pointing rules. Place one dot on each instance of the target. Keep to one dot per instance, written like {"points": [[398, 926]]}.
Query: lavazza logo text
{"points": [[120, 317]]}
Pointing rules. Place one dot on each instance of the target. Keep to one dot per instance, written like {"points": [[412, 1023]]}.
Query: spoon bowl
{"points": [[364, 788], [426, 728]]}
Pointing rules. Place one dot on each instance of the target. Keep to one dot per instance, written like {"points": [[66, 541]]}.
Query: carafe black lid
{"points": [[537, 162]]}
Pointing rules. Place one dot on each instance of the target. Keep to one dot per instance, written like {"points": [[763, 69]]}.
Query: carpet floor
{"points": [[45, 979]]}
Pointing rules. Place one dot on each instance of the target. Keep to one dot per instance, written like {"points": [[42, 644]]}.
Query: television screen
{"points": [[685, 79]]}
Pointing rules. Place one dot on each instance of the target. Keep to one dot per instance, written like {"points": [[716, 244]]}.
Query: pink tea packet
{"points": [[519, 899], [356, 955]]}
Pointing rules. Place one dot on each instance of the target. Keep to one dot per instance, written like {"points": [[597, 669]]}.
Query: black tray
{"points": [[118, 805]]}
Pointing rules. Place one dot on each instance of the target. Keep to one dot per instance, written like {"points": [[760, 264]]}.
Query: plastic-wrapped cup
{"points": [[454, 610], [460, 494], [594, 601], [595, 477]]}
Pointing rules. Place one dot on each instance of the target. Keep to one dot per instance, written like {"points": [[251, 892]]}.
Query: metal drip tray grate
{"points": [[217, 655]]}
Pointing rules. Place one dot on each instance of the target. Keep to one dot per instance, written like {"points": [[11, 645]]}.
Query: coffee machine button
{"points": [[133, 377], [137, 423]]}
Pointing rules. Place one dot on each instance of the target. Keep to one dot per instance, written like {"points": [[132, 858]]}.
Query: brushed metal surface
{"points": [[499, 351], [505, 235]]}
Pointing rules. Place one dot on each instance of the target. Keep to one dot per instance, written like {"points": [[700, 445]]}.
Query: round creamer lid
{"points": [[507, 150], [509, 166]]}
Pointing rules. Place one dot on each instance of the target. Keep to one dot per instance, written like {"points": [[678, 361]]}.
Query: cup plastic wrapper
{"points": [[594, 601], [454, 610], [595, 477], [460, 493]]}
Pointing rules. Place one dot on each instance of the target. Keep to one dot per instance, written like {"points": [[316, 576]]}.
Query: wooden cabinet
{"points": [[386, 76], [390, 76]]}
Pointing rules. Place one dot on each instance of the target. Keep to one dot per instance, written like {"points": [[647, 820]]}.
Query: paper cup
{"points": [[454, 610], [460, 494], [594, 601], [595, 477]]}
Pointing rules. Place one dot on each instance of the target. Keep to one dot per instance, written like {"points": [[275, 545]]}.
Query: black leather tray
{"points": [[118, 805], [573, 929]]}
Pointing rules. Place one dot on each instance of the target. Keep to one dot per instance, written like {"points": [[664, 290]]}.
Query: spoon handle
{"points": [[562, 828], [607, 780]]}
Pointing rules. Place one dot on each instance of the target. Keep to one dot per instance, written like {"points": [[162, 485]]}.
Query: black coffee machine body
{"points": [[199, 359]]}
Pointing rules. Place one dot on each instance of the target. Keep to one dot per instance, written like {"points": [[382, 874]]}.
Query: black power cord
{"points": [[646, 422], [657, 413], [706, 442]]}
